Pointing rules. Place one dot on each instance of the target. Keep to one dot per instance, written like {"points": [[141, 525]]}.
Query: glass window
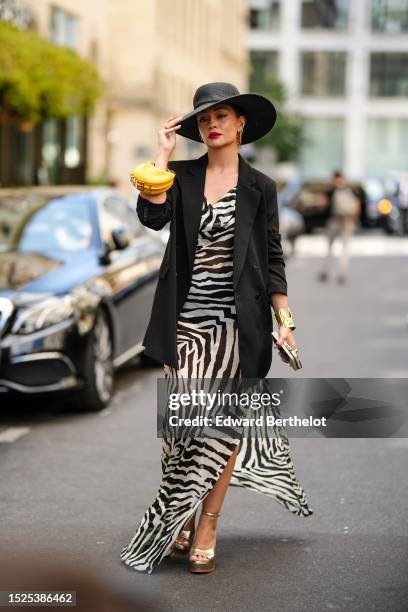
{"points": [[72, 155], [62, 224], [63, 28], [50, 150], [324, 151], [118, 213], [264, 66], [264, 14], [323, 73], [387, 145], [325, 14], [24, 167], [389, 16], [389, 74]]}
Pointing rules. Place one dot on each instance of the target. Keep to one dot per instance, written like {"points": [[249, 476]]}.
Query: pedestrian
{"points": [[403, 202], [342, 214], [222, 271]]}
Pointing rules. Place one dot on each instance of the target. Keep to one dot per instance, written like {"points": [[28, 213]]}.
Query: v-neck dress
{"points": [[207, 346]]}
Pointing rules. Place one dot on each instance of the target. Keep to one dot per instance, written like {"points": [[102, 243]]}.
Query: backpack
{"points": [[345, 203]]}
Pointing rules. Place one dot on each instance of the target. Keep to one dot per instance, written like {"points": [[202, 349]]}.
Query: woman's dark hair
{"points": [[238, 110]]}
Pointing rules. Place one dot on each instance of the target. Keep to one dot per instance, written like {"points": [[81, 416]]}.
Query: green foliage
{"points": [[98, 180], [287, 136], [39, 79]]}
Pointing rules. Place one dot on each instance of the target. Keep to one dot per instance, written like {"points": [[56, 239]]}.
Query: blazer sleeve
{"points": [[156, 216], [276, 264]]}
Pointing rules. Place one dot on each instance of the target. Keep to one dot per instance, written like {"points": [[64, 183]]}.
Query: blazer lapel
{"points": [[247, 202]]}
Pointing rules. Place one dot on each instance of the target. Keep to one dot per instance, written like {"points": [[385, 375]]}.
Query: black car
{"points": [[77, 277]]}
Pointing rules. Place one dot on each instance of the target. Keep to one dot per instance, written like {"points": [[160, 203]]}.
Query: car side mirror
{"points": [[104, 254], [121, 237]]}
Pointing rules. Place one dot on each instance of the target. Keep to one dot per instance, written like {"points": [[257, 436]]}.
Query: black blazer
{"points": [[258, 264]]}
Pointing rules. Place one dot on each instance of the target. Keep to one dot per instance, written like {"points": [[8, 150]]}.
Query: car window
{"points": [[57, 224], [115, 213]]}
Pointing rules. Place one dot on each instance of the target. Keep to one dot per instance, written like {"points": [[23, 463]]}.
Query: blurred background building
{"points": [[345, 68], [151, 56], [339, 73]]}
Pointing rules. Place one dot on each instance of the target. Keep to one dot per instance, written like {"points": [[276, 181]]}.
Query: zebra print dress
{"points": [[207, 345]]}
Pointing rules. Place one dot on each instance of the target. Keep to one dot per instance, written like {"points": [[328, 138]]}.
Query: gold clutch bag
{"points": [[152, 180], [291, 354]]}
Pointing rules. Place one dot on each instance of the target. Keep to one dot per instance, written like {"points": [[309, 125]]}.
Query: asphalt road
{"points": [[77, 484]]}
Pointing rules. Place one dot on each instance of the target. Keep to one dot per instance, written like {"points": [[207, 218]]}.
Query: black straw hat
{"points": [[259, 111]]}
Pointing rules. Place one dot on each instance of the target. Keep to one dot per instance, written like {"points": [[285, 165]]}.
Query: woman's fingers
{"points": [[172, 119]]}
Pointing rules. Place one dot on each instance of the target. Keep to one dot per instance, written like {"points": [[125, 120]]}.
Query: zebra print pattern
{"points": [[207, 345]]}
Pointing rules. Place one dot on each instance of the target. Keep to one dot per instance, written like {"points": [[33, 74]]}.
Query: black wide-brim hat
{"points": [[259, 111]]}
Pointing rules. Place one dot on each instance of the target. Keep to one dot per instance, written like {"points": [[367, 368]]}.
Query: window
{"points": [[264, 14], [72, 154], [117, 213], [389, 16], [61, 224], [64, 28], [324, 151], [325, 14], [323, 73], [389, 74], [50, 150], [386, 145], [264, 66]]}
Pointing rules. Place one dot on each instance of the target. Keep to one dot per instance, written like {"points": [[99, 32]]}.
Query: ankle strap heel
{"points": [[203, 567]]}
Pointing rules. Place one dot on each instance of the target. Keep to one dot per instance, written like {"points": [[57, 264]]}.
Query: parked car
{"points": [[382, 203], [164, 233], [77, 276], [291, 223]]}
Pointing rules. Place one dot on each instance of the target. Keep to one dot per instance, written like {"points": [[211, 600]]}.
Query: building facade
{"points": [[159, 53], [151, 55], [345, 67]]}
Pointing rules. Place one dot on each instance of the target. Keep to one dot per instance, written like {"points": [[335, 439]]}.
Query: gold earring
{"points": [[239, 136]]}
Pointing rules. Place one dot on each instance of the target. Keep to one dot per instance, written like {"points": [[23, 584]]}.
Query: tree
{"points": [[287, 136], [39, 79]]}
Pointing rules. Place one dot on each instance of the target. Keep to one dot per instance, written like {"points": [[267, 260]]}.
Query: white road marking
{"points": [[366, 246], [11, 434]]}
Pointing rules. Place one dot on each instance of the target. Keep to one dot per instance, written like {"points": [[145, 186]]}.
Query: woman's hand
{"points": [[167, 135], [285, 335]]}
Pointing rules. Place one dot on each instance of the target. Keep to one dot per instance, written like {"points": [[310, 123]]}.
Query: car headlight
{"points": [[43, 314]]}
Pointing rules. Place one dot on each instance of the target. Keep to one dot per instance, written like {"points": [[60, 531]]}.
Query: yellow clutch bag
{"points": [[152, 180]]}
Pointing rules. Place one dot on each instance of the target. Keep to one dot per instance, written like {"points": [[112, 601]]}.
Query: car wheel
{"points": [[98, 366]]}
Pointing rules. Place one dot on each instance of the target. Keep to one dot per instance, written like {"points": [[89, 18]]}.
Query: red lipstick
{"points": [[214, 135]]}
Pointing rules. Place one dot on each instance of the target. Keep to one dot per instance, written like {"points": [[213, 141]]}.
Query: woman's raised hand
{"points": [[167, 134]]}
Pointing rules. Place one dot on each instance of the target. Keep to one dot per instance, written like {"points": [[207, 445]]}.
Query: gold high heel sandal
{"points": [[203, 567], [186, 534]]}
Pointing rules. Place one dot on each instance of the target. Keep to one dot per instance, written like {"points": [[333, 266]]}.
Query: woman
{"points": [[211, 317]]}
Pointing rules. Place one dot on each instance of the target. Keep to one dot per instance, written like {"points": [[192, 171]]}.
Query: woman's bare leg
{"points": [[205, 534]]}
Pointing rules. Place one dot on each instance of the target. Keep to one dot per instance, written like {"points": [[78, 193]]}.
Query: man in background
{"points": [[342, 214]]}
